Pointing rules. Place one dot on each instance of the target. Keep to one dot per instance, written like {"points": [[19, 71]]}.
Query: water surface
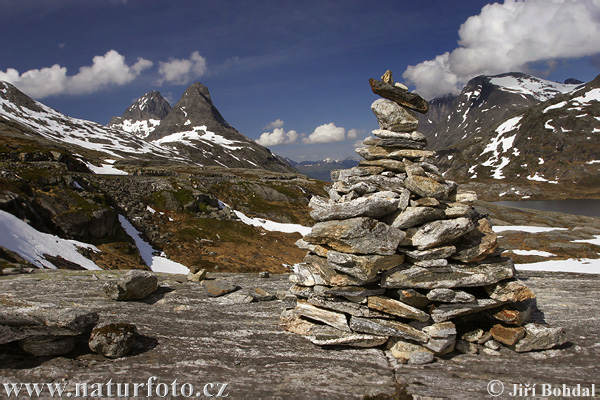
{"points": [[589, 207]]}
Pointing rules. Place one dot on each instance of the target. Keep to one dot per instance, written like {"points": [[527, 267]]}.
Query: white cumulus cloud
{"points": [[107, 70], [182, 71], [278, 123], [509, 37], [326, 133], [277, 137]]}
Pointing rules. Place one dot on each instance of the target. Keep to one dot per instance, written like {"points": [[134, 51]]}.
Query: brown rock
{"points": [[506, 335], [413, 298], [514, 314], [395, 307], [387, 77], [335, 319], [511, 290], [477, 244], [399, 96], [219, 287]]}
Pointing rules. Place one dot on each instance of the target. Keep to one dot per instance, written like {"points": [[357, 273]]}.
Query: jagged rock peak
{"points": [[194, 108], [151, 105]]}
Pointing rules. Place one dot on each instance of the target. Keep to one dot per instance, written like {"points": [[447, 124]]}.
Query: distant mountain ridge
{"points": [[483, 102], [143, 116], [192, 132], [321, 169], [555, 140]]}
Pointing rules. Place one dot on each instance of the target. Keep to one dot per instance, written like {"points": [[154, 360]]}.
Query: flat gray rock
{"points": [[134, 285], [451, 276], [216, 343], [373, 206], [359, 235], [436, 233], [393, 117]]}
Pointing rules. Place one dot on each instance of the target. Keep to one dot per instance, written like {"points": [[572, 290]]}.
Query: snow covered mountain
{"points": [[187, 134], [484, 102], [35, 119], [143, 116], [556, 141]]}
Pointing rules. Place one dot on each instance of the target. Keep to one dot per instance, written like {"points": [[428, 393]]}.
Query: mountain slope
{"points": [[36, 119], [193, 132], [194, 129], [143, 116], [484, 102], [555, 142]]}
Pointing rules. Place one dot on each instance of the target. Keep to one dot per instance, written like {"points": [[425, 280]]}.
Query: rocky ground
{"points": [[188, 336]]}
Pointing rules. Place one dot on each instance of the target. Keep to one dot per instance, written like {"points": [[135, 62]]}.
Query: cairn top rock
{"points": [[399, 95]]}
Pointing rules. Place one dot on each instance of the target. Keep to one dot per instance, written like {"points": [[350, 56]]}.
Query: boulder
{"points": [[393, 117], [113, 340], [219, 287], [414, 216], [507, 335], [447, 311], [373, 206], [540, 337], [386, 134], [364, 267], [451, 276], [425, 186], [319, 266], [481, 242], [359, 235], [398, 95], [434, 233], [134, 285], [389, 165], [510, 290]]}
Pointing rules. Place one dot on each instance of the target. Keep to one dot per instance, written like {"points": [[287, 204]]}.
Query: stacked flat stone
{"points": [[400, 257]]}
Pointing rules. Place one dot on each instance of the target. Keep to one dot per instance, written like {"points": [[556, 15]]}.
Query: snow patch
{"points": [[539, 89], [272, 225], [156, 263], [537, 177], [198, 133], [533, 253], [525, 228], [554, 106], [31, 244], [581, 266], [105, 169]]}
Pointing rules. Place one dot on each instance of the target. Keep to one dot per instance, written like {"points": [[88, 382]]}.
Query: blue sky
{"points": [[297, 70]]}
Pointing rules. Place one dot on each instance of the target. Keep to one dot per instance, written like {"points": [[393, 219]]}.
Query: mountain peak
{"points": [[195, 108], [150, 106]]}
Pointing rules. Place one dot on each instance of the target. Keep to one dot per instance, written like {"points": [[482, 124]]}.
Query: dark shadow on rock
{"points": [[142, 344], [537, 315], [157, 295]]}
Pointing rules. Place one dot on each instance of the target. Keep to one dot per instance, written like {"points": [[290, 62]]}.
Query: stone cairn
{"points": [[399, 257]]}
